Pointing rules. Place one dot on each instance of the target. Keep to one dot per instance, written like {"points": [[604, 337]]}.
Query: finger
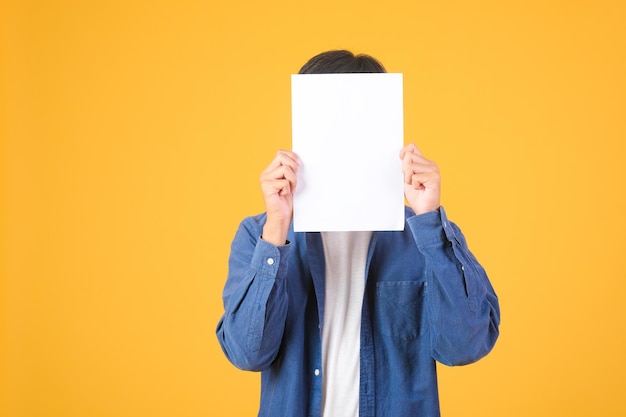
{"points": [[417, 182], [416, 172], [425, 180], [409, 168], [292, 155], [289, 158], [416, 158], [291, 177], [409, 149], [284, 158], [407, 171], [415, 167], [280, 187], [280, 172]]}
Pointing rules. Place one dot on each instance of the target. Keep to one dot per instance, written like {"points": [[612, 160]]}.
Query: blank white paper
{"points": [[348, 131]]}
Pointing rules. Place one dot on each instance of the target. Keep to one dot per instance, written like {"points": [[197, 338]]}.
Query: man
{"points": [[347, 324]]}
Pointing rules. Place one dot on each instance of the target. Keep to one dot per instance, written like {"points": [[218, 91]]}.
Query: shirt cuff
{"points": [[429, 229], [270, 260]]}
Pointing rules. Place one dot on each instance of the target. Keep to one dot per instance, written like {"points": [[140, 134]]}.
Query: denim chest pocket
{"points": [[400, 308]]}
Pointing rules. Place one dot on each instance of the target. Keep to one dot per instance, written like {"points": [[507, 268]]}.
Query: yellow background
{"points": [[134, 133]]}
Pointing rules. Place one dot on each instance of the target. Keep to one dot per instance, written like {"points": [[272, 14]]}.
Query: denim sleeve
{"points": [[462, 305], [255, 299]]}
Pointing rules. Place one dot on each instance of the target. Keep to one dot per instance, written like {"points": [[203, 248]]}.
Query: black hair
{"points": [[341, 61]]}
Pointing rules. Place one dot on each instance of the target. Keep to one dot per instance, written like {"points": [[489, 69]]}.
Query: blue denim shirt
{"points": [[426, 299]]}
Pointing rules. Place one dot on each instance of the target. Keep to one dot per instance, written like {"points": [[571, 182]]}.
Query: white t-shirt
{"points": [[345, 254]]}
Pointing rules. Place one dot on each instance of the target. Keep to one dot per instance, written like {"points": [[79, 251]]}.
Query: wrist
{"points": [[275, 232], [425, 210]]}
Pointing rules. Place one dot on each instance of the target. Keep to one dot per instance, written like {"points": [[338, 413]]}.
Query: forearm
{"points": [[255, 303], [463, 307]]}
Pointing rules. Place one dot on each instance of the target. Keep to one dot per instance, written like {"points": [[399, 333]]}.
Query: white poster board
{"points": [[348, 131]]}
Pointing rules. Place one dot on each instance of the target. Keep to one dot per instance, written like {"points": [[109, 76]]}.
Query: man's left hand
{"points": [[421, 180]]}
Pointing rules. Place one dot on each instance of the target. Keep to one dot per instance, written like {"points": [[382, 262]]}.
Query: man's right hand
{"points": [[278, 183]]}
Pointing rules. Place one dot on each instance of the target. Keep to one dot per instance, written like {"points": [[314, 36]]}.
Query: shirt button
{"points": [[270, 261], [317, 372]]}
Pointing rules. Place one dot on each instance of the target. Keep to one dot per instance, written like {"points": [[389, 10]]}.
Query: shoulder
{"points": [[255, 222], [250, 228]]}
